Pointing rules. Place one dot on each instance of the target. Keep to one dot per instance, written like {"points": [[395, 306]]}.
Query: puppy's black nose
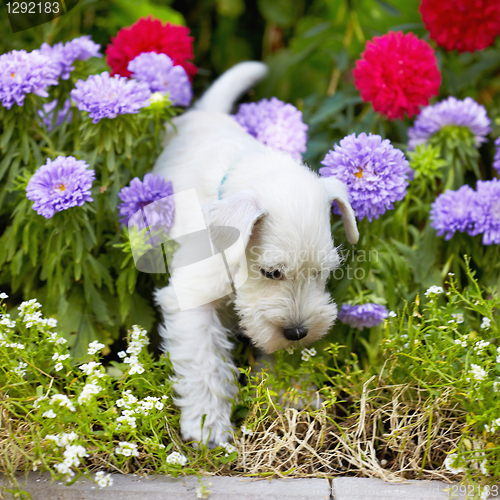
{"points": [[296, 333]]}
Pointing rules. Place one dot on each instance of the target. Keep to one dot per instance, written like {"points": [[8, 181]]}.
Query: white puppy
{"points": [[282, 211]]}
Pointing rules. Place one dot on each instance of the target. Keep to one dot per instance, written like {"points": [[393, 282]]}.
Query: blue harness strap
{"points": [[222, 182]]}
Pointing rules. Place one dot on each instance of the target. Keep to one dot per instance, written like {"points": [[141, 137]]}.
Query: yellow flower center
{"points": [[359, 173], [12, 75], [60, 187]]}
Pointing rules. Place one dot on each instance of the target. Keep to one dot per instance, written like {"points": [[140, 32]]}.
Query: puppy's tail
{"points": [[230, 86]]}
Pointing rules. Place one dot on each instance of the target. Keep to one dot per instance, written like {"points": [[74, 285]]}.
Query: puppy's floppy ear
{"points": [[240, 211], [337, 191]]}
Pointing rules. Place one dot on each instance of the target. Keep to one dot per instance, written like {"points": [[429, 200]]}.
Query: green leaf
{"points": [[333, 105], [26, 147], [279, 12], [78, 248], [389, 8], [127, 13], [141, 313], [110, 159], [17, 262], [7, 133]]}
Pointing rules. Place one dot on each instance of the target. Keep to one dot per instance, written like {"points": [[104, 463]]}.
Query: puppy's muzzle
{"points": [[296, 333]]}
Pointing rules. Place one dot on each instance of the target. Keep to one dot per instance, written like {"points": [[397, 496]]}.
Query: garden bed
{"points": [[403, 387]]}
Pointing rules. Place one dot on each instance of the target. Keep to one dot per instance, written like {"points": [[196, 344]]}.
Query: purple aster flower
{"points": [[24, 73], [64, 55], [275, 123], [376, 173], [486, 211], [452, 211], [159, 72], [496, 159], [104, 96], [363, 316], [59, 185], [154, 192], [47, 113], [467, 113]]}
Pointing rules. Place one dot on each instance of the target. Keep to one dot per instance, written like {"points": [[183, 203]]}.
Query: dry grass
{"points": [[408, 435]]}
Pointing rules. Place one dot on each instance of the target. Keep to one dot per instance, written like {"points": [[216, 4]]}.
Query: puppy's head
{"points": [[280, 270]]}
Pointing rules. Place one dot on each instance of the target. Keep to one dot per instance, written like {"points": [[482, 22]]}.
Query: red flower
{"points": [[465, 25], [150, 35], [397, 73]]}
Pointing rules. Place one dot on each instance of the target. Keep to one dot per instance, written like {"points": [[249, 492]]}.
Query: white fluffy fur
{"points": [[282, 210]]}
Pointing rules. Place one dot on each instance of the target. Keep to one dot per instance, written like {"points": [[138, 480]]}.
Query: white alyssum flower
{"points": [[64, 468], [34, 319], [72, 455], [122, 354], [58, 367], [62, 400], [3, 295], [148, 403], [450, 463], [37, 402], [92, 370], [459, 318], [59, 357], [95, 347], [15, 345], [103, 480], [135, 365], [462, 342], [127, 400], [88, 391], [228, 447], [434, 290], [52, 322], [477, 372], [32, 304], [55, 338], [245, 431], [496, 384], [308, 353], [127, 449], [392, 314], [480, 346], [6, 321], [126, 420], [20, 369], [176, 458], [493, 426], [49, 414], [139, 340], [483, 469], [486, 323], [62, 439]]}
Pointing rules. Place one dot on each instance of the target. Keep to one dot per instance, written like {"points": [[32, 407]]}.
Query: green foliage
{"points": [[443, 349], [52, 399], [71, 261]]}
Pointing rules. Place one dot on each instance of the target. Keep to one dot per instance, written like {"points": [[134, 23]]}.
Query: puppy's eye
{"points": [[275, 274]]}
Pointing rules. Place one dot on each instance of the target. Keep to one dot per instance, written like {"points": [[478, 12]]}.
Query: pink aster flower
{"points": [[397, 73]]}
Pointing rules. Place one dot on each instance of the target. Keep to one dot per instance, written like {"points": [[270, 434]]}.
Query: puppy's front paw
{"points": [[210, 435]]}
